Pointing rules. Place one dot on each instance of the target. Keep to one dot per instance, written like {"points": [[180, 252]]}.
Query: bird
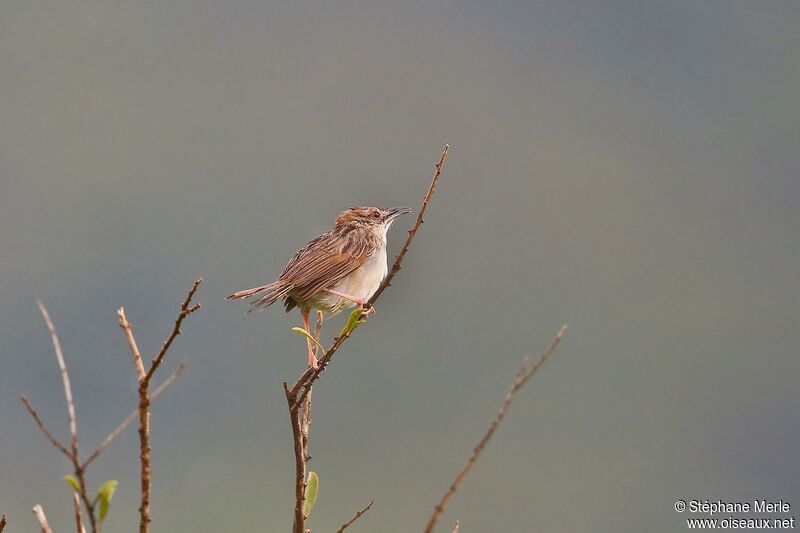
{"points": [[337, 270]]}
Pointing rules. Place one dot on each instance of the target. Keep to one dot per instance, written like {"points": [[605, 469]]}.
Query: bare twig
{"points": [[186, 310], [307, 378], [300, 393], [145, 397], [523, 376], [134, 414], [76, 503], [387, 281], [40, 516], [54, 441], [305, 423], [301, 423], [300, 451], [2, 523], [73, 425], [355, 517], [137, 355], [72, 452]]}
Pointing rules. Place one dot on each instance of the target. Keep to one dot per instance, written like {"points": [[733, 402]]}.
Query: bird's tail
{"points": [[273, 292]]}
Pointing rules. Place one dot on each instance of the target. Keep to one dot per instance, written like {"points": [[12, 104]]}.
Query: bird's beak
{"points": [[394, 212]]}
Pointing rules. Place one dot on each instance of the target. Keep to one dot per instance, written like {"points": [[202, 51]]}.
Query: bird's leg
{"points": [[318, 328], [312, 359], [369, 309]]}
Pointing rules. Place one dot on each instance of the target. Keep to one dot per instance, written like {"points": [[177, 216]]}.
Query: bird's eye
{"points": [[376, 215]]}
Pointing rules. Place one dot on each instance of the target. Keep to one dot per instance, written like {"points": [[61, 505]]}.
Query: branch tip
{"points": [[523, 376], [42, 519], [355, 517]]}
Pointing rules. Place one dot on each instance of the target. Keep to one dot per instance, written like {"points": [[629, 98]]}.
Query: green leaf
{"points": [[73, 482], [355, 319], [301, 331], [312, 486], [105, 494]]}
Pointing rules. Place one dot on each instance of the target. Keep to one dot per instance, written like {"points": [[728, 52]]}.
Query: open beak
{"points": [[394, 212]]}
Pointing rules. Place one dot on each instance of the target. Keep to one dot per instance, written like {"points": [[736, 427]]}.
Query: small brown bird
{"points": [[339, 269]]}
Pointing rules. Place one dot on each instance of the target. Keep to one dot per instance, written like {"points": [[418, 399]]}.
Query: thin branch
{"points": [[54, 441], [307, 378], [2, 523], [355, 517], [145, 398], [76, 503], [413, 231], [310, 375], [134, 414], [305, 423], [300, 451], [89, 504], [186, 310], [40, 516], [301, 424], [523, 376], [73, 425], [137, 355]]}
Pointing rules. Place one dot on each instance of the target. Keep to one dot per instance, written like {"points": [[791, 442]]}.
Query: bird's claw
{"points": [[367, 309]]}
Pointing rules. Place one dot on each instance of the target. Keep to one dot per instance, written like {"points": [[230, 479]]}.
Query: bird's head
{"points": [[375, 218]]}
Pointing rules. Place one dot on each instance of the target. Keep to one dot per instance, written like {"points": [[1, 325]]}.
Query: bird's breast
{"points": [[363, 282]]}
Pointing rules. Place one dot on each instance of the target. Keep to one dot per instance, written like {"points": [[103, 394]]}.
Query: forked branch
{"points": [[72, 451], [145, 397], [523, 376], [81, 496]]}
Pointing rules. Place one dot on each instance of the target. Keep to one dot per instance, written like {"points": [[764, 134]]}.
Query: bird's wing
{"points": [[327, 259]]}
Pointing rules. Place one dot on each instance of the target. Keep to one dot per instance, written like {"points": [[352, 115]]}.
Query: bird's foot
{"points": [[367, 309]]}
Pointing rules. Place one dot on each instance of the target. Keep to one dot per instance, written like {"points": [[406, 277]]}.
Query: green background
{"points": [[628, 167]]}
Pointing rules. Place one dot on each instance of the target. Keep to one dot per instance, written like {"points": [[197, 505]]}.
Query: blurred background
{"points": [[630, 168]]}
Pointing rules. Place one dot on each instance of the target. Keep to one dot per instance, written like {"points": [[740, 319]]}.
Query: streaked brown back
{"points": [[330, 257]]}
